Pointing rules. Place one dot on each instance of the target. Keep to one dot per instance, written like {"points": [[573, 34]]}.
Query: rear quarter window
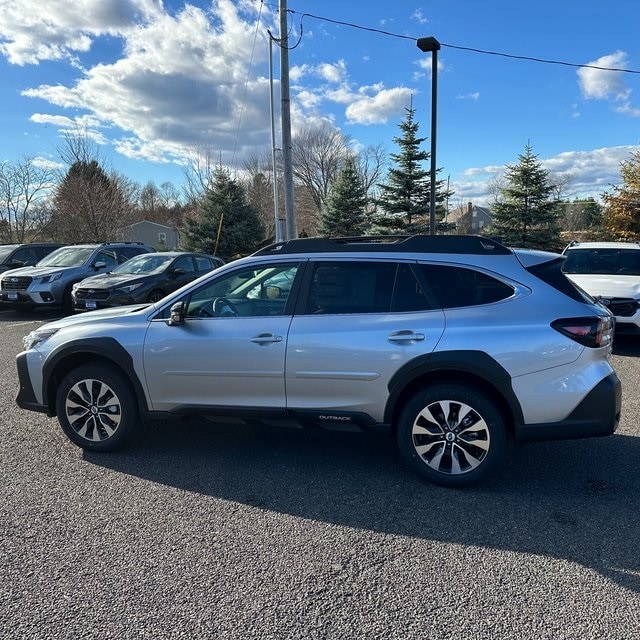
{"points": [[461, 286]]}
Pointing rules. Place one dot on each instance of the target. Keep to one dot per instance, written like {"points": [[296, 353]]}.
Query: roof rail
{"points": [[469, 244]]}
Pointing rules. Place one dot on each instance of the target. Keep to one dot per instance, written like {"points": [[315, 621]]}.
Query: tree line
{"points": [[338, 192]]}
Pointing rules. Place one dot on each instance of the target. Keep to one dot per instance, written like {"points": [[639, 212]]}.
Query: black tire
{"points": [[155, 295], [96, 408], [67, 301], [452, 435]]}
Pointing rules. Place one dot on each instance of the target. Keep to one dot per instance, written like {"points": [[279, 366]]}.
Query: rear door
{"points": [[361, 321]]}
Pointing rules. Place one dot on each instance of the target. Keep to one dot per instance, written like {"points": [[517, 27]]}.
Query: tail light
{"points": [[591, 332]]}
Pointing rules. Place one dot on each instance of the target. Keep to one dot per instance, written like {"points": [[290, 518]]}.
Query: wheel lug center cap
{"points": [[450, 436], [94, 410]]}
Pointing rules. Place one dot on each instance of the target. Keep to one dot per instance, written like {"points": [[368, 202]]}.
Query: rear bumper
{"points": [[597, 415]]}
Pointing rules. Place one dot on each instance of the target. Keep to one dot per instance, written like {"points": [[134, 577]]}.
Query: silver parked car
{"points": [[454, 344]]}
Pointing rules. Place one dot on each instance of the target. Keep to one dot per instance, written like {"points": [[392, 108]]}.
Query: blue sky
{"points": [[152, 81]]}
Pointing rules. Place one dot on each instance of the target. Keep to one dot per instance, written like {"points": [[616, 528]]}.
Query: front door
{"points": [[230, 351]]}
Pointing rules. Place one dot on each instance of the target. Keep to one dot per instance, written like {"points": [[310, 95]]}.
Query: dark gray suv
{"points": [[14, 256], [49, 282], [452, 344]]}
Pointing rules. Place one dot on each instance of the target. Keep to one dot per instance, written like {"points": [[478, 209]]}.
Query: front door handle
{"points": [[406, 335], [266, 338]]}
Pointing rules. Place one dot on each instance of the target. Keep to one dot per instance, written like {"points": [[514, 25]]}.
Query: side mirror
{"points": [[176, 314], [99, 265], [272, 292], [179, 271]]}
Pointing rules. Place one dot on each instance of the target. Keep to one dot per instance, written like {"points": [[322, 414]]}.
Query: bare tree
{"points": [[560, 184], [25, 192], [496, 185], [318, 156], [259, 187], [371, 164], [199, 173]]}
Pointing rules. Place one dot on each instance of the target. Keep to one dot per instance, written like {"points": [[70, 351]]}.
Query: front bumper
{"points": [[597, 415], [89, 304], [26, 398], [28, 298]]}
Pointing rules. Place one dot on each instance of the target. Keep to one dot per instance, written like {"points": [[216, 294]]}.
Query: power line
{"points": [[451, 46], [244, 93]]}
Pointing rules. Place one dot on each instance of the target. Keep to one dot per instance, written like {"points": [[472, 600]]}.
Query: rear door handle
{"points": [[266, 338], [406, 335]]}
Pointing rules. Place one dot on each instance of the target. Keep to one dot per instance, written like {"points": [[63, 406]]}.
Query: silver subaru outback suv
{"points": [[456, 345]]}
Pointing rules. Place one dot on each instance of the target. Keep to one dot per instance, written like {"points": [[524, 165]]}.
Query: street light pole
{"points": [[431, 44]]}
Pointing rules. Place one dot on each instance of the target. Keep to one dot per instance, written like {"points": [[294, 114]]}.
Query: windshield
{"points": [[144, 265], [6, 250], [67, 257], [603, 261]]}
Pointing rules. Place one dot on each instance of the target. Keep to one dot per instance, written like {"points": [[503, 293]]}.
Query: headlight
{"points": [[130, 287], [50, 278], [37, 337]]}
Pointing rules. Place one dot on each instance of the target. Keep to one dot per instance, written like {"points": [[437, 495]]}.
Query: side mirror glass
{"points": [[179, 271]]}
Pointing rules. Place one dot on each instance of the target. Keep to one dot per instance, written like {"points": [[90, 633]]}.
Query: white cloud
{"points": [[297, 72], [181, 79], [599, 83], [419, 17], [57, 29], [379, 108], [46, 163], [475, 96], [333, 72]]}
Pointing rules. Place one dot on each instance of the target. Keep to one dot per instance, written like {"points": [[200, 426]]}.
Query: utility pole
{"points": [[279, 228], [287, 174]]}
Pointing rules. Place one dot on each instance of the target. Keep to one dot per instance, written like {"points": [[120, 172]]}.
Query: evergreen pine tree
{"points": [[525, 216], [227, 225], [345, 213], [405, 199]]}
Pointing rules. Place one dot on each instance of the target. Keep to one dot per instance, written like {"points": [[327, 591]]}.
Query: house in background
{"points": [[470, 219], [161, 236]]}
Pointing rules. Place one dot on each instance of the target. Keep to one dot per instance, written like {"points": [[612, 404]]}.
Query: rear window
{"points": [[603, 261]]}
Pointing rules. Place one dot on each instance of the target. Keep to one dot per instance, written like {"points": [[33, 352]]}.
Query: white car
{"points": [[610, 272]]}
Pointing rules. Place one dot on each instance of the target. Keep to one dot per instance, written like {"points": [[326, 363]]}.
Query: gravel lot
{"points": [[240, 532]]}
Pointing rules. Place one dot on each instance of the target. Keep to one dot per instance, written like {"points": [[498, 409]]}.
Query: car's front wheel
{"points": [[453, 435], [96, 407], [155, 295]]}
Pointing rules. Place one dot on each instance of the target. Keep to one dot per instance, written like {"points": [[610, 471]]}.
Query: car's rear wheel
{"points": [[452, 435], [96, 407]]}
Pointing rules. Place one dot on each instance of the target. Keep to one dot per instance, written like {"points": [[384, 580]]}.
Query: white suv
{"points": [[610, 272], [454, 344]]}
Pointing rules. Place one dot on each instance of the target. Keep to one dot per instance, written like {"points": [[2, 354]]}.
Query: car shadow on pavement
{"points": [[574, 500]]}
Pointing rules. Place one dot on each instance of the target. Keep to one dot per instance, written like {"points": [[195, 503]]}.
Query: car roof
{"points": [[603, 245], [464, 244]]}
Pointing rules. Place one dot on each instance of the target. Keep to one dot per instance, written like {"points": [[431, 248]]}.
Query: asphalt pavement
{"points": [[207, 531]]}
